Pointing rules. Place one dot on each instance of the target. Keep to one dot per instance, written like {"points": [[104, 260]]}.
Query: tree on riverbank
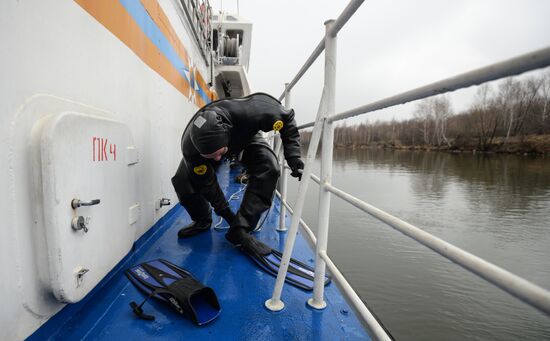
{"points": [[513, 116]]}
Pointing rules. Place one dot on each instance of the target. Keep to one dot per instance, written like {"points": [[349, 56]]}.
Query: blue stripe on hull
{"points": [[148, 26]]}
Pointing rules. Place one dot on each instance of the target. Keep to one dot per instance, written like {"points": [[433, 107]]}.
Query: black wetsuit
{"points": [[195, 181]]}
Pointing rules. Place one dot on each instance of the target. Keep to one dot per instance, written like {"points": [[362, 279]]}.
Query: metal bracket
{"points": [[162, 202]]}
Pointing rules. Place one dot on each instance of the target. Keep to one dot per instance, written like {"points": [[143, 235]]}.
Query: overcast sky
{"points": [[387, 47]]}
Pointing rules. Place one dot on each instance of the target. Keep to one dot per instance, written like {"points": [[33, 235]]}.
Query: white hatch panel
{"points": [[83, 157]]}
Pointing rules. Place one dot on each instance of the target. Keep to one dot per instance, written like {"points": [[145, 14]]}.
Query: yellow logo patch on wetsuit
{"points": [[278, 125], [200, 170]]}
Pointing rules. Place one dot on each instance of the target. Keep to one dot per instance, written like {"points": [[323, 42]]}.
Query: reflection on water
{"points": [[519, 178], [494, 206]]}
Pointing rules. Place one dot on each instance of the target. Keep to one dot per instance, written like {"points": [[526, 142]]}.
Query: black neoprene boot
{"points": [[194, 228], [236, 235]]}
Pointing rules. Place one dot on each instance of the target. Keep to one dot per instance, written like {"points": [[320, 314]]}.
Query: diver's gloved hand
{"points": [[296, 165], [194, 228], [227, 214]]}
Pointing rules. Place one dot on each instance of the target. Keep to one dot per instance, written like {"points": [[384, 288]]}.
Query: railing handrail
{"points": [[526, 291], [323, 127], [200, 24], [343, 18], [510, 67]]}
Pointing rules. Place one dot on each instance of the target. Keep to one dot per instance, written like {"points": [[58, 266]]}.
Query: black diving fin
{"points": [[299, 274], [176, 286]]}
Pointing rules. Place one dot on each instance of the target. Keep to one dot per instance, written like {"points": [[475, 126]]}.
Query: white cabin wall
{"points": [[58, 49], [172, 157], [12, 310]]}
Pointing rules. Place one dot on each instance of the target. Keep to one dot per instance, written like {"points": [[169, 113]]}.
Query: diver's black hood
{"points": [[208, 132]]}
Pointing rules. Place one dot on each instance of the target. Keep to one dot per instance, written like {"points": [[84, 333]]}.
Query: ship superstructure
{"points": [[95, 96]]}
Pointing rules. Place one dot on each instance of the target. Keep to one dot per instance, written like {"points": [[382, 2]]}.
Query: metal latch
{"points": [[80, 223], [75, 203], [80, 276]]}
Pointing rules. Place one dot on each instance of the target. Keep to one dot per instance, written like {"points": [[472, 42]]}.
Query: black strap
{"points": [[138, 310]]}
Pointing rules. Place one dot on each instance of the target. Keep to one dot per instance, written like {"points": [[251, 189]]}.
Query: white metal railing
{"points": [[199, 14], [350, 9], [527, 62], [515, 285]]}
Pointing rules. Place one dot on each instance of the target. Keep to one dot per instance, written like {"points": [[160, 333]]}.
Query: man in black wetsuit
{"points": [[222, 129]]}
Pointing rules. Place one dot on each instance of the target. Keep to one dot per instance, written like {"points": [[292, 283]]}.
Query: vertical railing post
{"points": [[283, 178], [275, 303], [317, 301]]}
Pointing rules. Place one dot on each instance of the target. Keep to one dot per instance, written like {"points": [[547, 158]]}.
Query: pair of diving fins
{"points": [[299, 274], [175, 286]]}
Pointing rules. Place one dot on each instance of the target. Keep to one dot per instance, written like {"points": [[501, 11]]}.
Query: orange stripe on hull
{"points": [[159, 17], [201, 82], [163, 23], [116, 19]]}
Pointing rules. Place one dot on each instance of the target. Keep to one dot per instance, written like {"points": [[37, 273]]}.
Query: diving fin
{"points": [[299, 274], [176, 286]]}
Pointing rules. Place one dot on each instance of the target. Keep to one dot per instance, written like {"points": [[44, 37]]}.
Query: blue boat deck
{"points": [[240, 285]]}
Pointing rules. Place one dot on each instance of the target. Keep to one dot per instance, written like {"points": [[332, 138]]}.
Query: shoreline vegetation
{"points": [[511, 116], [532, 144]]}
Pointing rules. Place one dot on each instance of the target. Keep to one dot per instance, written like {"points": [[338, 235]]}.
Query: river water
{"points": [[494, 206]]}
